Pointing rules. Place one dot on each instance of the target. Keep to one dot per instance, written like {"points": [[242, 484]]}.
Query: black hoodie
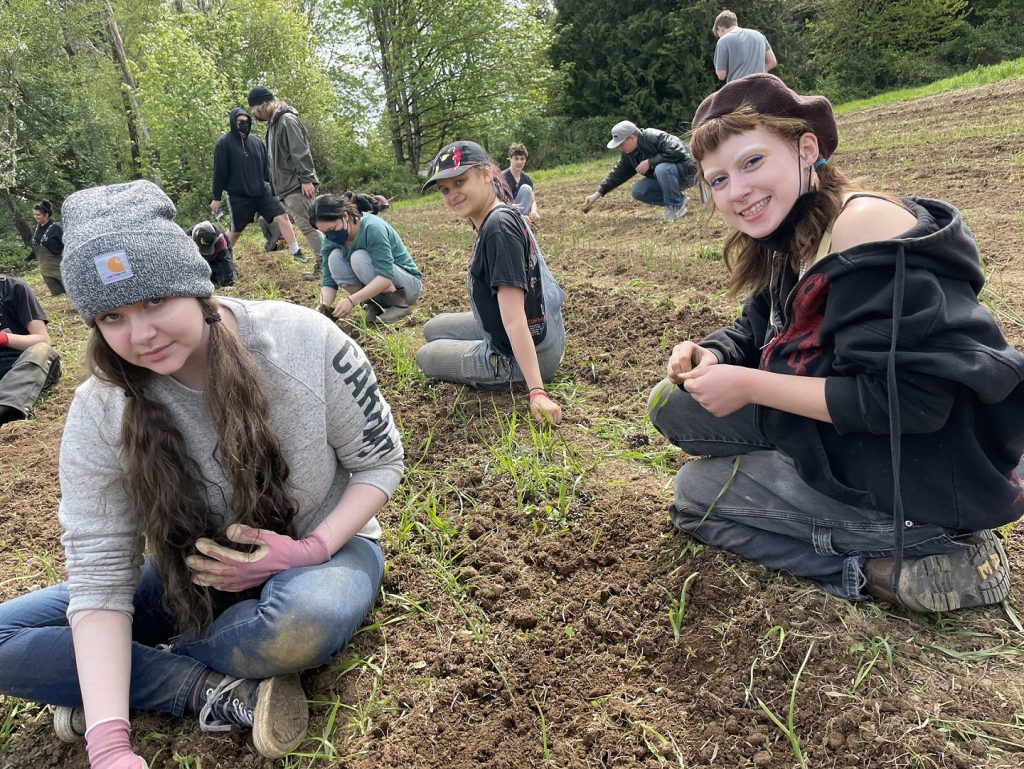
{"points": [[960, 397], [240, 163]]}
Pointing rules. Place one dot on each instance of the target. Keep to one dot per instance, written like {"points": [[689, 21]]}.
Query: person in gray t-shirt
{"points": [[740, 51]]}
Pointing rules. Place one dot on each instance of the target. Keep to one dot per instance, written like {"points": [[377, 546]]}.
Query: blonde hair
{"points": [[725, 20]]}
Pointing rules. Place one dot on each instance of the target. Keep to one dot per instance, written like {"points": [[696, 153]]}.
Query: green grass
{"points": [[994, 73], [788, 728]]}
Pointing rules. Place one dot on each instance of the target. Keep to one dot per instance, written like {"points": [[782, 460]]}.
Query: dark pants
{"points": [[36, 368], [747, 498]]}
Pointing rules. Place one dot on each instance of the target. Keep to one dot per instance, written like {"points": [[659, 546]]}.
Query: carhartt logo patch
{"points": [[113, 267]]}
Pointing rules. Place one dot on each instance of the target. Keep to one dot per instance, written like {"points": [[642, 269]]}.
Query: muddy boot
{"points": [[397, 307], [976, 574], [316, 272], [11, 414], [275, 708], [371, 311]]}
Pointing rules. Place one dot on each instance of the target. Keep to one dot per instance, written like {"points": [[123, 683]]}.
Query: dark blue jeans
{"points": [[302, 617], [766, 512], [663, 189]]}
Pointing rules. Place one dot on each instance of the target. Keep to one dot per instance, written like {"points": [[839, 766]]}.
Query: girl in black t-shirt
{"points": [[514, 332]]}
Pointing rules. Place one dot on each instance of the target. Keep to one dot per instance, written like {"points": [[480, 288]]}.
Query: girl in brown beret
{"points": [[862, 421]]}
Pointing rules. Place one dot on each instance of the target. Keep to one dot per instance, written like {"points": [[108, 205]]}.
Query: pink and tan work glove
{"points": [[233, 571], [108, 747]]}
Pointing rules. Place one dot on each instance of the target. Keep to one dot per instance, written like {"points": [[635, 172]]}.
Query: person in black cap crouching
{"points": [[214, 247]]}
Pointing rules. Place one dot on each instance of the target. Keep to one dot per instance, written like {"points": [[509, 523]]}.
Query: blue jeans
{"points": [[358, 271], [456, 351], [524, 199], [663, 189], [302, 618], [767, 513]]}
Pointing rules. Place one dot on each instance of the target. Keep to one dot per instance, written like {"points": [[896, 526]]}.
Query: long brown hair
{"points": [[749, 263], [163, 482]]}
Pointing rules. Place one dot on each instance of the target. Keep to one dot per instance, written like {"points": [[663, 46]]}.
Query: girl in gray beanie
{"points": [[221, 472]]}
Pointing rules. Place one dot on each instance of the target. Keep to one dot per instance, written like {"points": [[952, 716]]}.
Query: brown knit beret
{"points": [[768, 95]]}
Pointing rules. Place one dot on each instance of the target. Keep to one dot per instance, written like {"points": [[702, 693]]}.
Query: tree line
{"points": [[98, 91]]}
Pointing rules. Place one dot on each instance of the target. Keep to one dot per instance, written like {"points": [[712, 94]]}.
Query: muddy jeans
{"points": [[456, 351], [765, 512], [302, 618], [36, 368], [524, 199]]}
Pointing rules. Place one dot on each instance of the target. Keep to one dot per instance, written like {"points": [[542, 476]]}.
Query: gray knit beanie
{"points": [[121, 246]]}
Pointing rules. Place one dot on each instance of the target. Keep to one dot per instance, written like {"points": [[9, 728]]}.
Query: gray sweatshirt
{"points": [[333, 423]]}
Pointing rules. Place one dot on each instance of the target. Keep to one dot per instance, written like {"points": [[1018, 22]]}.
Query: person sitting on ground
{"points": [[663, 161], [214, 247], [241, 167], [48, 246], [28, 363], [367, 203], [515, 331], [221, 472], [365, 256], [520, 183], [863, 417]]}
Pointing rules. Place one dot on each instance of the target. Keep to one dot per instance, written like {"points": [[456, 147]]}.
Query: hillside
{"points": [[525, 617]]}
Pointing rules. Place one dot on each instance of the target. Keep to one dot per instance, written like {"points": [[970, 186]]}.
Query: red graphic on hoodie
{"points": [[805, 328]]}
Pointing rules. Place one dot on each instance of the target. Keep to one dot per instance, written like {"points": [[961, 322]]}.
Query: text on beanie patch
{"points": [[113, 267]]}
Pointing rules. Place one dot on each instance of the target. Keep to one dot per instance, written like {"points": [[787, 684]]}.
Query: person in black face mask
{"points": [[240, 168], [862, 421], [365, 256]]}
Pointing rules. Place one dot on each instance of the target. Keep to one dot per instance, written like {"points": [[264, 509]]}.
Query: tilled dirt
{"points": [[533, 627]]}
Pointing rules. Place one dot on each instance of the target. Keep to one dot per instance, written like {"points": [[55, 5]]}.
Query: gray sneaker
{"points": [[275, 708], [674, 212], [977, 573], [69, 724]]}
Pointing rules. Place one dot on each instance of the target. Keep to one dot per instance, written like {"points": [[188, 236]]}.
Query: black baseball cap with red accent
{"points": [[454, 160]]}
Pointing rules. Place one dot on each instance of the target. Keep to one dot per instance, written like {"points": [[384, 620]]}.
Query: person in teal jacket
{"points": [[363, 254]]}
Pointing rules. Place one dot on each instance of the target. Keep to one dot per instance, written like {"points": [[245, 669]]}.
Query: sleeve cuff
{"points": [[843, 403], [386, 478]]}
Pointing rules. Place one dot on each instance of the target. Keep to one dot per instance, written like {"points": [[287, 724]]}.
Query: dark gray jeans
{"points": [[766, 512], [37, 368]]}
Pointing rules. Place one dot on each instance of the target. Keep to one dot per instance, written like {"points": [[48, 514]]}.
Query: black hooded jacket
{"points": [[240, 163], [960, 397]]}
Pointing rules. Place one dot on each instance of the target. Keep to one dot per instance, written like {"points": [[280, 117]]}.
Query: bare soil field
{"points": [[538, 609]]}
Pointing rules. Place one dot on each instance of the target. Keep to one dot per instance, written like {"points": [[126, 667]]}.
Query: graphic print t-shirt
{"points": [[502, 256]]}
